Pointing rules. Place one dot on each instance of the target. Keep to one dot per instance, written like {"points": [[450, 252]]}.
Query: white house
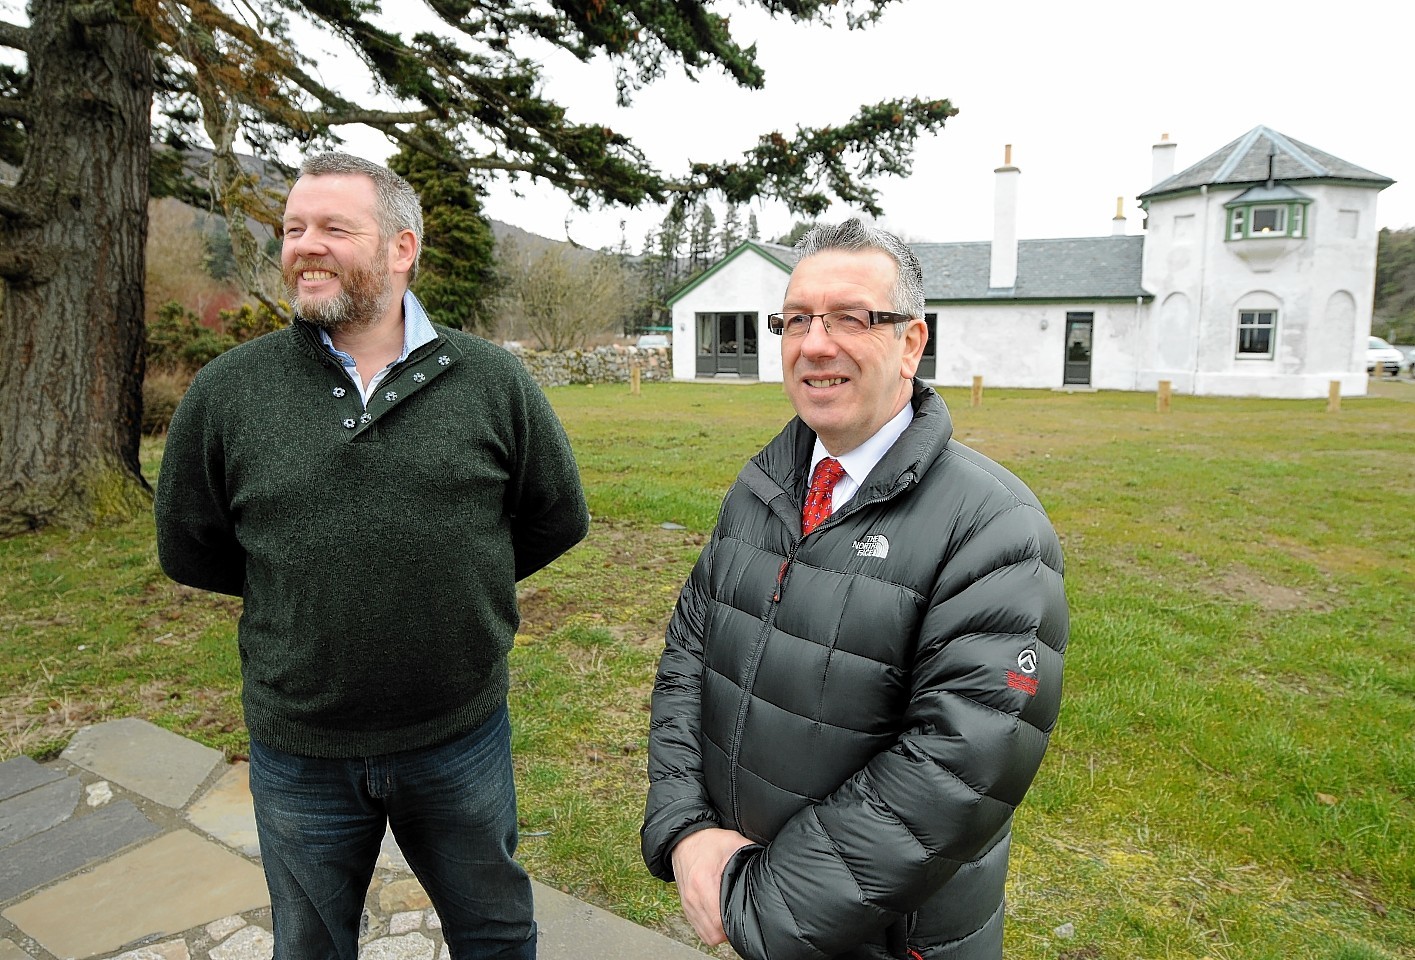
{"points": [[1255, 277]]}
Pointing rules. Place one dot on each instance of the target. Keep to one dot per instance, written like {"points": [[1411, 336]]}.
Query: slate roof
{"points": [[1086, 268], [1277, 193], [780, 251], [1245, 161]]}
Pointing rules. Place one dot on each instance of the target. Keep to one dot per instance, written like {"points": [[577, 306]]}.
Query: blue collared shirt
{"points": [[417, 330]]}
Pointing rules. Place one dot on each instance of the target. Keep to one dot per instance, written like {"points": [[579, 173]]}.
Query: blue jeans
{"points": [[452, 809]]}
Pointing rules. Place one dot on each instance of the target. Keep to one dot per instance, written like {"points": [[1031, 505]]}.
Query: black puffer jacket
{"points": [[869, 704]]}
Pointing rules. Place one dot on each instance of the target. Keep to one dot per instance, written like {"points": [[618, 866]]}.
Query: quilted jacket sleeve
{"points": [[677, 803], [980, 712]]}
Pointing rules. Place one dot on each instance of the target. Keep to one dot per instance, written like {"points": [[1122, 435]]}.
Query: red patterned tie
{"points": [[823, 481]]}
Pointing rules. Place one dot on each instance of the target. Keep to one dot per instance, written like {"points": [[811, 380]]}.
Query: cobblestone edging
{"points": [[600, 365]]}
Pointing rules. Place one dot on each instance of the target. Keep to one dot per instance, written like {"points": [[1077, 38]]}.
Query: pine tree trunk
{"points": [[71, 332]]}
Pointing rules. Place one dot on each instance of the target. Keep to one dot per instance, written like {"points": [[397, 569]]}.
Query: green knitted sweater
{"points": [[377, 551]]}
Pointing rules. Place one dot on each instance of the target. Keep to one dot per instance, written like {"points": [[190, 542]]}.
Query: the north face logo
{"points": [[875, 545]]}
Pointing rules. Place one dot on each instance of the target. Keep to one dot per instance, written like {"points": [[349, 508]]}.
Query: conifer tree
{"points": [[102, 81]]}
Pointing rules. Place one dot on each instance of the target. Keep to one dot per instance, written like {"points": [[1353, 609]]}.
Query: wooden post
{"points": [[1334, 396], [977, 391], [1162, 400], [634, 380]]}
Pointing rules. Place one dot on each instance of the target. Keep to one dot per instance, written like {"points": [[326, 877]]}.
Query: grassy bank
{"points": [[1234, 771]]}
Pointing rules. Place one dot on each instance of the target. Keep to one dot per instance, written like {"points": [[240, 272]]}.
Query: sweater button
{"points": [[338, 391], [349, 423]]}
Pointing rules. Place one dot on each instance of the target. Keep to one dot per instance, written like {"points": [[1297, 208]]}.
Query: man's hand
{"points": [[698, 862]]}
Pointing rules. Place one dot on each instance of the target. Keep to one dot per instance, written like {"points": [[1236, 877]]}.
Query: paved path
{"points": [[139, 844]]}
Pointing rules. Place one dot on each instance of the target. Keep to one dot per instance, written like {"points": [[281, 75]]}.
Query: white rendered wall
{"points": [[1023, 345], [1322, 287], [749, 282]]}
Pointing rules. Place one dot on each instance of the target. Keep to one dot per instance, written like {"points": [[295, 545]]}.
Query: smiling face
{"points": [[846, 387], [338, 269]]}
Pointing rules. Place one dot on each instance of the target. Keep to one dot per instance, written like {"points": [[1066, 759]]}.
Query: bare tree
{"points": [[561, 295], [176, 262]]}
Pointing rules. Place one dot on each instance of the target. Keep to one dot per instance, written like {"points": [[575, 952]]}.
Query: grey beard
{"points": [[339, 312]]}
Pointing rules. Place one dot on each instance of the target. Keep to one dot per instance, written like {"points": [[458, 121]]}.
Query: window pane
{"points": [[1269, 219], [749, 333], [1255, 340], [705, 326], [727, 333]]}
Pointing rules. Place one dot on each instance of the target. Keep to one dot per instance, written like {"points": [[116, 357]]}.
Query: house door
{"points": [[727, 343], [1078, 348]]}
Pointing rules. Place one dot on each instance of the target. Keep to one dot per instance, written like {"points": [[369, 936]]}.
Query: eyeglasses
{"points": [[846, 322]]}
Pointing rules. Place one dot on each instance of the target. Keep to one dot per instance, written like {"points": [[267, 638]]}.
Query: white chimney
{"points": [[1003, 271], [1117, 224], [1162, 155]]}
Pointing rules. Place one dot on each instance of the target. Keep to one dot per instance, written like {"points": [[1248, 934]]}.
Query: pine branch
{"points": [[14, 108], [372, 118], [14, 36], [26, 267], [20, 207], [101, 13]]}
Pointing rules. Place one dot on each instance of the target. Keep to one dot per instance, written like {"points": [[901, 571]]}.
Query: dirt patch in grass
{"points": [[623, 578], [1335, 558], [1244, 585]]}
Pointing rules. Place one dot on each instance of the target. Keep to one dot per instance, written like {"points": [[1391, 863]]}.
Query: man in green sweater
{"points": [[373, 487]]}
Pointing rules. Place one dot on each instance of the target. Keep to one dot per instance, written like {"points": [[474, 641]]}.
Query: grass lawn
{"points": [[1234, 774]]}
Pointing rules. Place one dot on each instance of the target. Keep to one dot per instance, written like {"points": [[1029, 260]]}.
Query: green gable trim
{"points": [[1147, 197], [745, 246]]}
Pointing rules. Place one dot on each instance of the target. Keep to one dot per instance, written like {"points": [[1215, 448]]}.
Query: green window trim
{"points": [[1264, 220]]}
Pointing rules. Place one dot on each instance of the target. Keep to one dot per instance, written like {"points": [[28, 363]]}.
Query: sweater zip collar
{"points": [[421, 367]]}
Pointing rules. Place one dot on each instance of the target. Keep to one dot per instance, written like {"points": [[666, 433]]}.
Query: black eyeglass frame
{"points": [[776, 322]]}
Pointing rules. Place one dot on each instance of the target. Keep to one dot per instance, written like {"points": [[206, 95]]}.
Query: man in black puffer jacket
{"points": [[852, 703]]}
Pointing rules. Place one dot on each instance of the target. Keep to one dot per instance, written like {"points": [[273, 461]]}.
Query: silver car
{"points": [[1382, 359]]}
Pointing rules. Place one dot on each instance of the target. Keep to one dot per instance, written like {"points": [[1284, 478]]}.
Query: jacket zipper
{"points": [[749, 681]]}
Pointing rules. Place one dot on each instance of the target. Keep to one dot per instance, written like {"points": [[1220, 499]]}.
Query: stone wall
{"points": [[600, 365]]}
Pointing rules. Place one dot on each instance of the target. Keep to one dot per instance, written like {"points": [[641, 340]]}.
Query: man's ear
{"points": [[916, 335], [403, 252]]}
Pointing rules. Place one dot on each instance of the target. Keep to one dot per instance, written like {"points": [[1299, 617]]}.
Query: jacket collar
{"points": [[780, 469]]}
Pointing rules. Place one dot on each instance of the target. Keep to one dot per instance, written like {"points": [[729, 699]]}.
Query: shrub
{"points": [[250, 322], [161, 392], [178, 343]]}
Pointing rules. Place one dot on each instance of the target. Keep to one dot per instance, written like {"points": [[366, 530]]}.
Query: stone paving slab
{"points": [[571, 928], [96, 890], [21, 774], [143, 757], [46, 856], [35, 811], [226, 813], [169, 885]]}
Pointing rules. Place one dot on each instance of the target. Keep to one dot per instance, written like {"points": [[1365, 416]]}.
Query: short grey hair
{"points": [[397, 206], [908, 294]]}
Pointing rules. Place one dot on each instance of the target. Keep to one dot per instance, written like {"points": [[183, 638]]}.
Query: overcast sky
{"points": [[1081, 91]]}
